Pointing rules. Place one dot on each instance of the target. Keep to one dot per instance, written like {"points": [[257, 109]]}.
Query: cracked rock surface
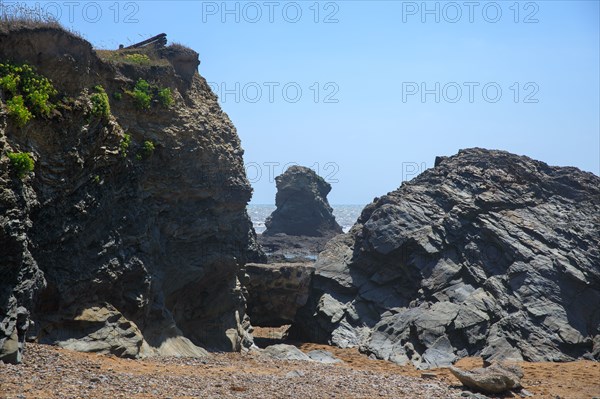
{"points": [[488, 254]]}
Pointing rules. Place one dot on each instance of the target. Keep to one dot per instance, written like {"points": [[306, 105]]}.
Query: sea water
{"points": [[345, 215]]}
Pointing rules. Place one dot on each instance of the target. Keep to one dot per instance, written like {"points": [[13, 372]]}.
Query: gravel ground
{"points": [[50, 372]]}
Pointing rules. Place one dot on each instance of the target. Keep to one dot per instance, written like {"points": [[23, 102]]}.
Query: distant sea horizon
{"points": [[345, 214]]}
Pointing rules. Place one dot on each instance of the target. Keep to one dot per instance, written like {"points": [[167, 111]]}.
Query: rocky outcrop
{"points": [[302, 206], [496, 378], [487, 253], [276, 291], [111, 246]]}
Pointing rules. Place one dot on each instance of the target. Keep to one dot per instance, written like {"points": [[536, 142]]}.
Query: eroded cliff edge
{"points": [[486, 254], [110, 246]]}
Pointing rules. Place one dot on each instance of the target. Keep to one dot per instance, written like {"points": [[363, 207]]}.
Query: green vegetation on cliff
{"points": [[18, 111], [100, 103], [144, 93], [141, 94], [22, 163], [27, 93]]}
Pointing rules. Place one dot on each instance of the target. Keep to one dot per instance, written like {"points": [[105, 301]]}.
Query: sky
{"points": [[368, 93]]}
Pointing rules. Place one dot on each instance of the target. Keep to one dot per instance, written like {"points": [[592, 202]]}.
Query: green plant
{"points": [[124, 145], [117, 96], [9, 83], [141, 94], [165, 98], [27, 90], [97, 179], [148, 148], [22, 162], [140, 59], [100, 104], [18, 111]]}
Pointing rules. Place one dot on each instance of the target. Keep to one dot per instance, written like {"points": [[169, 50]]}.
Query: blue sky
{"points": [[339, 85]]}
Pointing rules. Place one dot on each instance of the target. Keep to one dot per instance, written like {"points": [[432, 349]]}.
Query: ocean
{"points": [[345, 215]]}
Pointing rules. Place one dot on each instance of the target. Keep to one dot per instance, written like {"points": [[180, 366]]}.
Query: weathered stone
{"points": [[496, 378], [486, 254], [302, 206], [285, 352]]}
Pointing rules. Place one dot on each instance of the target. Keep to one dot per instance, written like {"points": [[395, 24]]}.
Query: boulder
{"points": [[276, 291], [290, 352], [486, 254], [496, 378], [285, 352], [302, 206]]}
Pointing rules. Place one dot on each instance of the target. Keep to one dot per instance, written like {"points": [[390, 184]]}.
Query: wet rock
{"points": [[302, 206], [488, 253]]}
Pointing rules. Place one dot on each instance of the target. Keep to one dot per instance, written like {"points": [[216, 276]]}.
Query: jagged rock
{"points": [[302, 206], [496, 378], [488, 253], [149, 246], [276, 291]]}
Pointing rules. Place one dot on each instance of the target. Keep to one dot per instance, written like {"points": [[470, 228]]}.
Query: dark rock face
{"points": [[276, 291], [123, 253], [302, 207], [488, 253]]}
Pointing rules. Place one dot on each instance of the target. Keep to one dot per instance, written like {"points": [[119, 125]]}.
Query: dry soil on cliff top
{"points": [[51, 372]]}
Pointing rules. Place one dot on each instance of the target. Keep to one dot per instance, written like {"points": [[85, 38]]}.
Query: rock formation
{"points": [[487, 253], [114, 245], [276, 291], [302, 207]]}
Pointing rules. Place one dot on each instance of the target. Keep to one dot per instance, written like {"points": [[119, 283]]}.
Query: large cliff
{"points": [[131, 233], [488, 253]]}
